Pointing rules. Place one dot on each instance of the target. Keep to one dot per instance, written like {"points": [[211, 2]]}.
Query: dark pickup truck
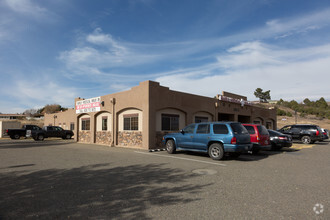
{"points": [[308, 134], [51, 131], [25, 131]]}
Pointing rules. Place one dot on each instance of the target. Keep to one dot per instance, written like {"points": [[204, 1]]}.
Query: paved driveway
{"points": [[62, 179]]}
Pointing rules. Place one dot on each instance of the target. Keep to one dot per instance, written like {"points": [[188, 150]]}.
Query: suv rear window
{"points": [[238, 128], [262, 130], [220, 129], [250, 129]]}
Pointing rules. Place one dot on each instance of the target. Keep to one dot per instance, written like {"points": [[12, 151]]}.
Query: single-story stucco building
{"points": [[140, 116]]}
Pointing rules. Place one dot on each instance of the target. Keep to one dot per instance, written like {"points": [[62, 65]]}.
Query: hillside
{"points": [[308, 119]]}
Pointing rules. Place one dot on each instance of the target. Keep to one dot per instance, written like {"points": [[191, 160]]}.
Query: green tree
{"points": [[49, 109], [263, 96], [307, 102], [321, 103]]}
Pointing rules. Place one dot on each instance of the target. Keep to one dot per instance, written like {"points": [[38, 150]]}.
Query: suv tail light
{"points": [[258, 138], [233, 140], [317, 132], [283, 138]]}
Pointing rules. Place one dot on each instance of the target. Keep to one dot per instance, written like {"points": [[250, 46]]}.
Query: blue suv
{"points": [[214, 138]]}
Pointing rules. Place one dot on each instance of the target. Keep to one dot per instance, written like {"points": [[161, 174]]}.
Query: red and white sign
{"points": [[238, 101], [88, 105]]}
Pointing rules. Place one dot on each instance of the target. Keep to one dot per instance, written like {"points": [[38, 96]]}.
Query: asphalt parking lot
{"points": [[60, 179]]}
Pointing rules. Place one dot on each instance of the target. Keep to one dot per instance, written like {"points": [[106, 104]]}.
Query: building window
{"points": [[131, 122], [85, 124], [199, 119], [170, 122], [71, 126], [104, 123]]}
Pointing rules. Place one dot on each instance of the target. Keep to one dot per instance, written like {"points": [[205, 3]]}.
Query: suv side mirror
{"points": [[182, 131]]}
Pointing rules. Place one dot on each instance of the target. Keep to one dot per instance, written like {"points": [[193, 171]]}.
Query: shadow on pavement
{"points": [[97, 191], [325, 142], [262, 155], [246, 157], [28, 143]]}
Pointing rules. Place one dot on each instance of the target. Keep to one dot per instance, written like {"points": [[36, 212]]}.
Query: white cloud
{"points": [[241, 71], [26, 7], [100, 51], [285, 27], [98, 38], [38, 92], [249, 55]]}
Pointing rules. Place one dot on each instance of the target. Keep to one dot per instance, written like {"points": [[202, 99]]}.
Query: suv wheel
{"points": [[68, 136], [170, 147], [216, 151], [16, 136], [40, 137], [306, 139]]}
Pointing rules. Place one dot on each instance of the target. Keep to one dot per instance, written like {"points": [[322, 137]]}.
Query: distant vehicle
{"points": [[279, 140], [25, 131], [214, 138], [259, 137], [51, 131], [308, 134]]}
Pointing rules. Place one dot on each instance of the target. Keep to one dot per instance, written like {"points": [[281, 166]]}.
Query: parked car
{"points": [[25, 131], [325, 134], [51, 131], [308, 134], [259, 137], [214, 138], [279, 140]]}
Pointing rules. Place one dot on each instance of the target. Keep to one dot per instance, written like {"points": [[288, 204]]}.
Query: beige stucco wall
{"points": [[66, 117], [202, 114]]}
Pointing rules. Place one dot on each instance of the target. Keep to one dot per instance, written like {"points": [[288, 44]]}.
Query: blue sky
{"points": [[54, 51]]}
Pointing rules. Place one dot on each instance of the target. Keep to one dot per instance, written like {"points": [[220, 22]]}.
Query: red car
{"points": [[259, 137]]}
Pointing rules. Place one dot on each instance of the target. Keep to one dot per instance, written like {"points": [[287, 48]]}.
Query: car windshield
{"points": [[262, 130], [274, 133], [238, 128]]}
